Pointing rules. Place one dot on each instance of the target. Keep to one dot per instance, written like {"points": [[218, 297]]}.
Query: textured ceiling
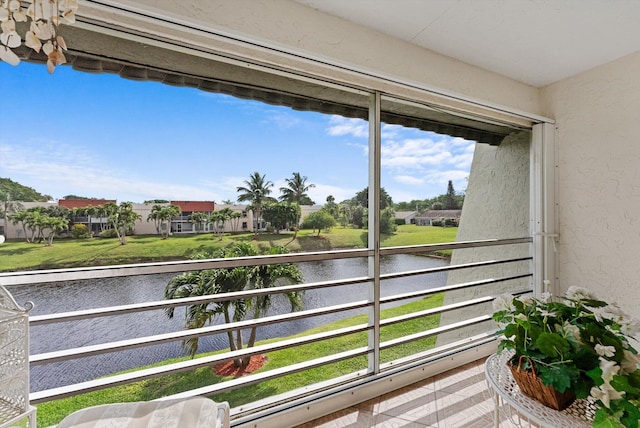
{"points": [[536, 42]]}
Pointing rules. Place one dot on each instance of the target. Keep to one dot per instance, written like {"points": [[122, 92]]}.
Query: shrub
{"points": [[109, 233], [80, 231]]}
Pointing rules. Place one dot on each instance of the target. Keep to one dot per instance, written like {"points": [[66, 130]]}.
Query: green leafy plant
{"points": [[577, 342]]}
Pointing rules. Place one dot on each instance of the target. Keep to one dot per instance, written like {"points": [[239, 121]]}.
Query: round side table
{"points": [[504, 389]]}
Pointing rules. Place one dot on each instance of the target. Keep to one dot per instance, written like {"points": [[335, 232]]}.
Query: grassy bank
{"points": [[52, 412], [18, 255]]}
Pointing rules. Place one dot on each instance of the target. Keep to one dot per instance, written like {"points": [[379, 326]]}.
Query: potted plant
{"points": [[577, 345]]}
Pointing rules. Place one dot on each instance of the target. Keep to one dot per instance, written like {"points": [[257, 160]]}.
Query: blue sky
{"points": [[99, 135]]}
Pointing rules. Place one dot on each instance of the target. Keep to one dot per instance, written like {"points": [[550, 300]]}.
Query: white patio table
{"points": [[505, 390]]}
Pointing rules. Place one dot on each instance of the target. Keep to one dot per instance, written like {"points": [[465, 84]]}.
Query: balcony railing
{"points": [[375, 360]]}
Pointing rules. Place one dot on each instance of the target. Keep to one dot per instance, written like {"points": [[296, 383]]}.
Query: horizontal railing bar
{"points": [[451, 268], [272, 374], [73, 353], [125, 378], [95, 272], [435, 311], [442, 309], [86, 351], [412, 249], [207, 361], [433, 332], [444, 288], [162, 304], [37, 320], [247, 414], [260, 377]]}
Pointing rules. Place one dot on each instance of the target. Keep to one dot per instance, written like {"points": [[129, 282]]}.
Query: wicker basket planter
{"points": [[531, 385]]}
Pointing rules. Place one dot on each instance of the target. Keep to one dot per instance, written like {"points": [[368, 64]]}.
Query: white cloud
{"points": [[281, 118], [408, 179], [60, 169], [340, 126]]}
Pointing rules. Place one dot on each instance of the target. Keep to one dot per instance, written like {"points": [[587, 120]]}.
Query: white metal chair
{"points": [[14, 362], [197, 412]]}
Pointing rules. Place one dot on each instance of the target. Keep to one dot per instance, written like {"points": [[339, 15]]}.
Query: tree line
{"points": [[43, 224]]}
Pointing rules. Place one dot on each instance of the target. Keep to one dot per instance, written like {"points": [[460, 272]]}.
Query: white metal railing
{"points": [[178, 267]]}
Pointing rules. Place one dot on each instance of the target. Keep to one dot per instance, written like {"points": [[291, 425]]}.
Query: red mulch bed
{"points": [[228, 369]]}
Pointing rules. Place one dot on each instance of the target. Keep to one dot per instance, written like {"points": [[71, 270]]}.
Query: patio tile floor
{"points": [[458, 398]]}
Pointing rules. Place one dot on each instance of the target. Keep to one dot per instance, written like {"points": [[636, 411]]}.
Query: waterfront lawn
{"points": [[16, 255], [52, 412]]}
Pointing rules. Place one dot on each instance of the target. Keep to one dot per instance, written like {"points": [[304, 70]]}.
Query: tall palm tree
{"points": [[90, 212], [123, 219], [296, 191], [22, 217], [166, 216], [155, 216], [256, 191]]}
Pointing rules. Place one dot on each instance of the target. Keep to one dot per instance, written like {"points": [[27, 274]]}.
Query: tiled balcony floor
{"points": [[455, 399]]}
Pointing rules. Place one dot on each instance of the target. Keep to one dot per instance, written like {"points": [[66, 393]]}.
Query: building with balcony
{"points": [[552, 193]]}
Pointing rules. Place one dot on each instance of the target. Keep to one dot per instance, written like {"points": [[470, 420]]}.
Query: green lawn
{"points": [[52, 412], [18, 255]]}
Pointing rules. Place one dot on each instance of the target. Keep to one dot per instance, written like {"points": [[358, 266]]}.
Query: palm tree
{"points": [[267, 276], [54, 225], [90, 211], [123, 219], [226, 280], [198, 220], [165, 216], [235, 220], [296, 191], [256, 191], [155, 216], [21, 217]]}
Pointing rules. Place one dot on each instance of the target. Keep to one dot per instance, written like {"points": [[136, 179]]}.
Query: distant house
{"points": [[409, 217], [437, 217], [181, 223]]}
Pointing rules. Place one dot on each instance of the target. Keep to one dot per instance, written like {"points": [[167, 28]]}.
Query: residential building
{"points": [[409, 217], [439, 218]]}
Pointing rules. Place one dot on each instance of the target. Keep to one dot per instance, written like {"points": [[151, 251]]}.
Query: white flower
{"points": [[600, 313], [527, 300], [579, 293], [573, 330], [605, 351], [545, 297], [605, 393], [630, 327], [629, 363], [546, 313], [503, 303], [609, 369], [522, 317]]}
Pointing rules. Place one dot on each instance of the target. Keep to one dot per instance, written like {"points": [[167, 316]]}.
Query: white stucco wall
{"points": [[598, 137], [496, 206]]}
